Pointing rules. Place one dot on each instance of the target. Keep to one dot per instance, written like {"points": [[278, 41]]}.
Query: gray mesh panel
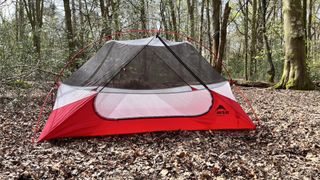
{"points": [[147, 71], [103, 65], [143, 67]]}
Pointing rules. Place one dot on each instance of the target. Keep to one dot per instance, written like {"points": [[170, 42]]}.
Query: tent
{"points": [[144, 85]]}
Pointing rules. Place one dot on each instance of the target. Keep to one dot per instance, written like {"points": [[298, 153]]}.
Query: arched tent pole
{"points": [[73, 59]]}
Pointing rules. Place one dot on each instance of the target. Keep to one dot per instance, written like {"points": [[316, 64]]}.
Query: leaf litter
{"points": [[285, 145]]}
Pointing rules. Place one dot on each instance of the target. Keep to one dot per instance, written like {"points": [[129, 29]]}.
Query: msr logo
{"points": [[221, 111]]}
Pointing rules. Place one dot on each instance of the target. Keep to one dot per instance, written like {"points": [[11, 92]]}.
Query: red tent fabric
{"points": [[139, 86]]}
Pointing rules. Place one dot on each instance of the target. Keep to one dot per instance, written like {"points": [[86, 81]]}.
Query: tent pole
{"points": [[181, 62]]}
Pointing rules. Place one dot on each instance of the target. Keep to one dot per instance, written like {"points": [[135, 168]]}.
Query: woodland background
{"points": [[39, 36]]}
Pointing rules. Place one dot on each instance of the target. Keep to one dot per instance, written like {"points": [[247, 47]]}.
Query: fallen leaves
{"points": [[285, 145]]}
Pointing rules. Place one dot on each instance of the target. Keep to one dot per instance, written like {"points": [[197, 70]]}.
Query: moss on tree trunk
{"points": [[295, 75]]}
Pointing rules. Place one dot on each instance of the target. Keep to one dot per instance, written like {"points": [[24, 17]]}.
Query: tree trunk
{"points": [[295, 75], [106, 30], [281, 19], [216, 6], [20, 21], [209, 29], [304, 17], [87, 14], [170, 26], [253, 38], [103, 9], [271, 70], [17, 21], [223, 37], [115, 12], [173, 17], [190, 4], [163, 17], [178, 14], [259, 39], [201, 26], [309, 35], [81, 34], [104, 18], [74, 21], [34, 9], [69, 28], [246, 27], [143, 16]]}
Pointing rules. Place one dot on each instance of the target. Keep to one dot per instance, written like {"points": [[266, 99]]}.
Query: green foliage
{"points": [[19, 84], [235, 63], [314, 70]]}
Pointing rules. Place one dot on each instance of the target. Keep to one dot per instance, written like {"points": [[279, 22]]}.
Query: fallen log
{"points": [[258, 84]]}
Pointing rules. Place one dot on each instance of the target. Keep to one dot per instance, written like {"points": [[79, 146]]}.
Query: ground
{"points": [[285, 145]]}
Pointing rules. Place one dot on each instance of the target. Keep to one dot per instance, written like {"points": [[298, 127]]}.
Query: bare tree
{"points": [[223, 37], [246, 32], [173, 17], [20, 16], [209, 29], [253, 38], [163, 17], [115, 11], [74, 20], [216, 14], [309, 27], [34, 10], [271, 70], [191, 4], [106, 18], [68, 22], [143, 16], [201, 26], [81, 34]]}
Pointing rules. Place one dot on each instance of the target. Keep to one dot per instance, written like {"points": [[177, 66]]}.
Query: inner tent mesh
{"points": [[148, 70], [129, 66]]}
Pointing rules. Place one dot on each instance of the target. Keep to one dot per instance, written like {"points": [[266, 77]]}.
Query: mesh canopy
{"points": [[147, 71], [103, 65], [144, 64]]}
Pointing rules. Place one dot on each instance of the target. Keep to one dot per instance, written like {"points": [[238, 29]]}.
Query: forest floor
{"points": [[285, 145]]}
